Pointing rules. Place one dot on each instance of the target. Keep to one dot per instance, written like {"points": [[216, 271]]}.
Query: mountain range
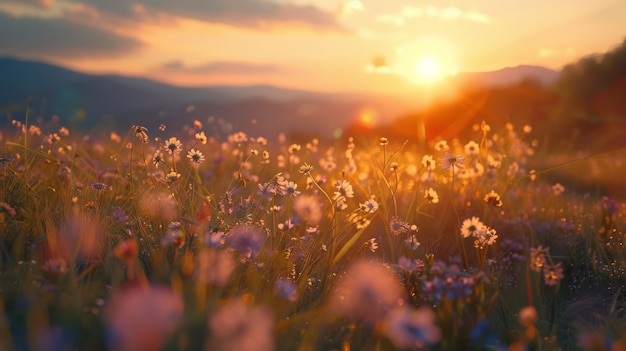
{"points": [[508, 76], [86, 101]]}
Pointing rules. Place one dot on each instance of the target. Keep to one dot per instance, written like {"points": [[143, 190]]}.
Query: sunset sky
{"points": [[325, 45]]}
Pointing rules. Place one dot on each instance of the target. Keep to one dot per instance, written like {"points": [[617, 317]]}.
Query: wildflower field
{"points": [[172, 239]]}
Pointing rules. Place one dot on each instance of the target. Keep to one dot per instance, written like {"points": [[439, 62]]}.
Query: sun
{"points": [[428, 70], [427, 61]]}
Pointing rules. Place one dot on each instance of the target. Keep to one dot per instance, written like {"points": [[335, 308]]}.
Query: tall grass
{"points": [[172, 240]]}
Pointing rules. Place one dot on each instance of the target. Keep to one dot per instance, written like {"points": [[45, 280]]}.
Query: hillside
{"points": [[508, 76]]}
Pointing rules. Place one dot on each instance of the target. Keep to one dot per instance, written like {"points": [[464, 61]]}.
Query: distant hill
{"points": [[22, 79], [84, 100], [508, 76]]}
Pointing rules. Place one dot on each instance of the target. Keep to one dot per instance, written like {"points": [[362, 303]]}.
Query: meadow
{"points": [[171, 239]]}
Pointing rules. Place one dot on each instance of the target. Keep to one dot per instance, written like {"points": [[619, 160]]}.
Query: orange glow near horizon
{"points": [[368, 118]]}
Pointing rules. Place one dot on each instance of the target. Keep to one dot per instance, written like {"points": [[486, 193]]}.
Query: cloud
{"points": [[58, 37], [548, 52], [244, 13], [378, 64], [221, 67], [545, 52], [30, 3], [349, 7], [32, 8], [43, 3], [449, 13], [37, 3], [476, 17], [95, 28]]}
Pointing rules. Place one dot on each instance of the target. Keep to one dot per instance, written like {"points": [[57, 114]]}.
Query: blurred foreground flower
{"points": [[174, 235], [286, 289], [240, 327], [55, 266], [366, 292], [245, 239], [81, 238], [127, 250], [308, 209], [597, 339], [411, 329], [142, 318], [214, 267], [158, 206], [528, 316]]}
